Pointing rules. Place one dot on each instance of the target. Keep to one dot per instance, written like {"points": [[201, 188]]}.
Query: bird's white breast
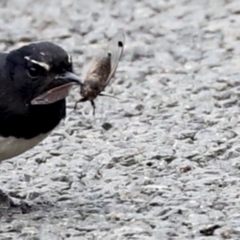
{"points": [[11, 146]]}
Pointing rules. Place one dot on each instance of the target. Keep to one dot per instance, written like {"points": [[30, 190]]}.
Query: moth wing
{"points": [[53, 95], [115, 49], [95, 64]]}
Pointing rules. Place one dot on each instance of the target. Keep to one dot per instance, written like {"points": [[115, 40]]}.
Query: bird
{"points": [[27, 116]]}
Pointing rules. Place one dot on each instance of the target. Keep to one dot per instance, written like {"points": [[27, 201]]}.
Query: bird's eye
{"points": [[33, 72]]}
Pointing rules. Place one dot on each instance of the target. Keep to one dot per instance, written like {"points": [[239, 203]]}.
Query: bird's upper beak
{"points": [[59, 92], [69, 76]]}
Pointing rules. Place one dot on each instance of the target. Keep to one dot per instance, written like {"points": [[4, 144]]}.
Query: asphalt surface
{"points": [[160, 162]]}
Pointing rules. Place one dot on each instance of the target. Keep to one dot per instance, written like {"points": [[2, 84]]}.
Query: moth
{"points": [[99, 75], [102, 70]]}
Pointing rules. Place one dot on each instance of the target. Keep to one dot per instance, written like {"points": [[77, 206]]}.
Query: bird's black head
{"points": [[37, 68]]}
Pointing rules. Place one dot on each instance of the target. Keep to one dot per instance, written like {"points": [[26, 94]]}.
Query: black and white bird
{"points": [[25, 74]]}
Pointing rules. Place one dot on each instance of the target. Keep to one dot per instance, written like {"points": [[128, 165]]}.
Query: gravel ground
{"points": [[162, 161]]}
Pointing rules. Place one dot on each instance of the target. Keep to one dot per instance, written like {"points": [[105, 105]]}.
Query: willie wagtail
{"points": [[25, 74]]}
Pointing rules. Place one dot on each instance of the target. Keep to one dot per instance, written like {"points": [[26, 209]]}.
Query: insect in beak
{"points": [[60, 92], [102, 70]]}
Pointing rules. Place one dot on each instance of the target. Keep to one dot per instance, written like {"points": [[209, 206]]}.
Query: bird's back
{"points": [[2, 66]]}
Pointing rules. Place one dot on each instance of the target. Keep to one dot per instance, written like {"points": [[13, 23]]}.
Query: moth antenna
{"points": [[103, 94]]}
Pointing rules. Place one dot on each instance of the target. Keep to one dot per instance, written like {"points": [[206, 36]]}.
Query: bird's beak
{"points": [[69, 76], [58, 93]]}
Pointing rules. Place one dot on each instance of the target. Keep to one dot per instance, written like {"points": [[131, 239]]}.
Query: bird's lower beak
{"points": [[60, 92]]}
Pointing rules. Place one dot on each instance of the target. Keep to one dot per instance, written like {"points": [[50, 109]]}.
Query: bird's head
{"points": [[36, 69]]}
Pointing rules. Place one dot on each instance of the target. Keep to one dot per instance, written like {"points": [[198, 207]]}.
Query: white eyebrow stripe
{"points": [[69, 58], [41, 64]]}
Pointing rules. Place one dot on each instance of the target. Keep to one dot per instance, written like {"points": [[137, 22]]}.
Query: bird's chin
{"points": [[53, 94]]}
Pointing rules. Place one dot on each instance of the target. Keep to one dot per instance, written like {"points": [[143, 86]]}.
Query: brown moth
{"points": [[101, 71]]}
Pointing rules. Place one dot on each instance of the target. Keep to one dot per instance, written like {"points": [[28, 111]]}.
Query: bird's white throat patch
{"points": [[11, 146]]}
